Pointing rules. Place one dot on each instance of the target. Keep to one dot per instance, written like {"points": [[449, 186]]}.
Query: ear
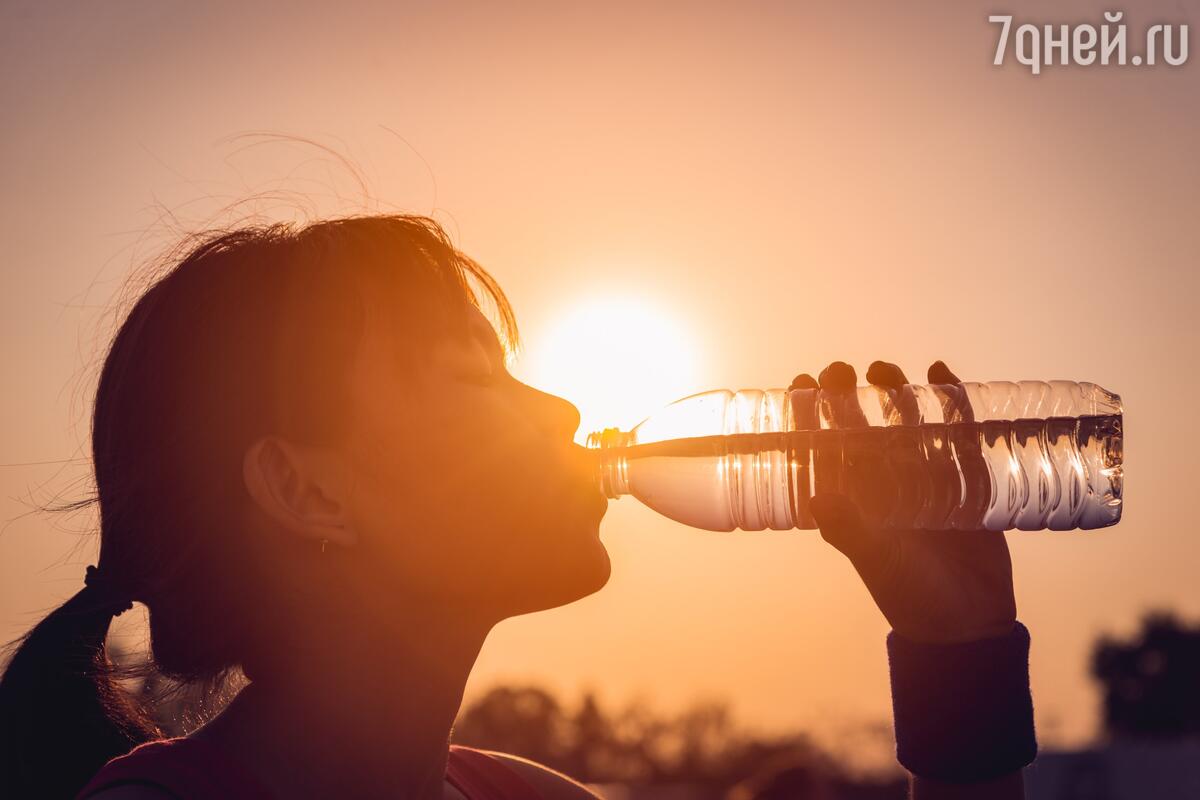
{"points": [[302, 488]]}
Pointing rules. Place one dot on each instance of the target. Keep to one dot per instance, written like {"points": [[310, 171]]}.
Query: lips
{"points": [[590, 497], [577, 481]]}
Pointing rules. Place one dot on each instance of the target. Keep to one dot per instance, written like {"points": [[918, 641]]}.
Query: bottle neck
{"points": [[611, 466]]}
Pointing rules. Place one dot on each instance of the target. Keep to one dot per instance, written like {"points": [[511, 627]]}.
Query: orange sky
{"points": [[792, 183]]}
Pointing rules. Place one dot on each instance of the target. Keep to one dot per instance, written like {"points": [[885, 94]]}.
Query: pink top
{"points": [[192, 769]]}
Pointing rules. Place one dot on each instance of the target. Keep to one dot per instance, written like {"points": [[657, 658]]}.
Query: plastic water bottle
{"points": [[1000, 455]]}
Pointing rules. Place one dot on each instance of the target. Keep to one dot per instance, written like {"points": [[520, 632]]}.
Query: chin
{"points": [[600, 572], [586, 572]]}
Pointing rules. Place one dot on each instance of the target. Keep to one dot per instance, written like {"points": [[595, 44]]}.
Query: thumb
{"points": [[842, 525]]}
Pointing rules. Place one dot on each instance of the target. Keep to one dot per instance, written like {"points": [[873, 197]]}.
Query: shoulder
{"points": [[141, 774], [552, 785], [168, 769]]}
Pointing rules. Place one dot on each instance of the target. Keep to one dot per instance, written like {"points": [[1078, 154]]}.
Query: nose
{"points": [[555, 415]]}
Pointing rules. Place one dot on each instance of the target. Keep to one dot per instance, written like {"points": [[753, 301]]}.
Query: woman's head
{"points": [[291, 419], [455, 483], [280, 388]]}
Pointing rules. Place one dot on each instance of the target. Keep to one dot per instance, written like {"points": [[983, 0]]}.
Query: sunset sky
{"points": [[755, 189]]}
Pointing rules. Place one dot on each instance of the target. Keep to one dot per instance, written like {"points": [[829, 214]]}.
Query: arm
{"points": [[1009, 787], [959, 659]]}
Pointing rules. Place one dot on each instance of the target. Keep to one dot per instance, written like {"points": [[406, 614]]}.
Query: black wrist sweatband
{"points": [[963, 711]]}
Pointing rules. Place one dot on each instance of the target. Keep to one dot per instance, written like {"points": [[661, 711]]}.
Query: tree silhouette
{"points": [[699, 747], [527, 720], [1151, 681]]}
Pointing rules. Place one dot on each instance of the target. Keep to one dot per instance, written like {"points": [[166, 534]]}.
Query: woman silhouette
{"points": [[313, 469]]}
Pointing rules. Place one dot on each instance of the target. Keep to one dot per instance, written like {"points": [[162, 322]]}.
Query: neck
{"points": [[364, 711]]}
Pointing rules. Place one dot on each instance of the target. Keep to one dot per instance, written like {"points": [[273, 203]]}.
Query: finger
{"points": [[940, 373], [803, 381], [871, 551], [803, 396], [891, 379], [839, 386], [955, 403], [885, 373], [838, 377]]}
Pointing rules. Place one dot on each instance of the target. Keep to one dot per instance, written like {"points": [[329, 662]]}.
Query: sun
{"points": [[618, 359]]}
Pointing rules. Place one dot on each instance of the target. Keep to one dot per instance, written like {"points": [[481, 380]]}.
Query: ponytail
{"points": [[61, 715]]}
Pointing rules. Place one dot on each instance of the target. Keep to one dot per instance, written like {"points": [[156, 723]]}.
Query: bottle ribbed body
{"points": [[1030, 455]]}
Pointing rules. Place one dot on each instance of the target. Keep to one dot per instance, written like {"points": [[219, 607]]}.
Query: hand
{"points": [[933, 586]]}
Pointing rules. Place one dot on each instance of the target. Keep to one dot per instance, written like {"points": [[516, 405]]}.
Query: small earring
{"points": [[323, 543]]}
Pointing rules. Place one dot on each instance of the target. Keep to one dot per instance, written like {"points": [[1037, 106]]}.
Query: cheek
{"points": [[473, 503], [476, 513], [425, 494]]}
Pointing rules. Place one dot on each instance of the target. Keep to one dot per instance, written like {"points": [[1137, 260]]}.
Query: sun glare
{"points": [[618, 359]]}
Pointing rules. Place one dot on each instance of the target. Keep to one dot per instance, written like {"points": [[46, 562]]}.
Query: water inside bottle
{"points": [[1059, 473]]}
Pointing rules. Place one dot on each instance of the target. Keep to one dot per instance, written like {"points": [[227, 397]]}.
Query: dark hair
{"points": [[248, 333]]}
